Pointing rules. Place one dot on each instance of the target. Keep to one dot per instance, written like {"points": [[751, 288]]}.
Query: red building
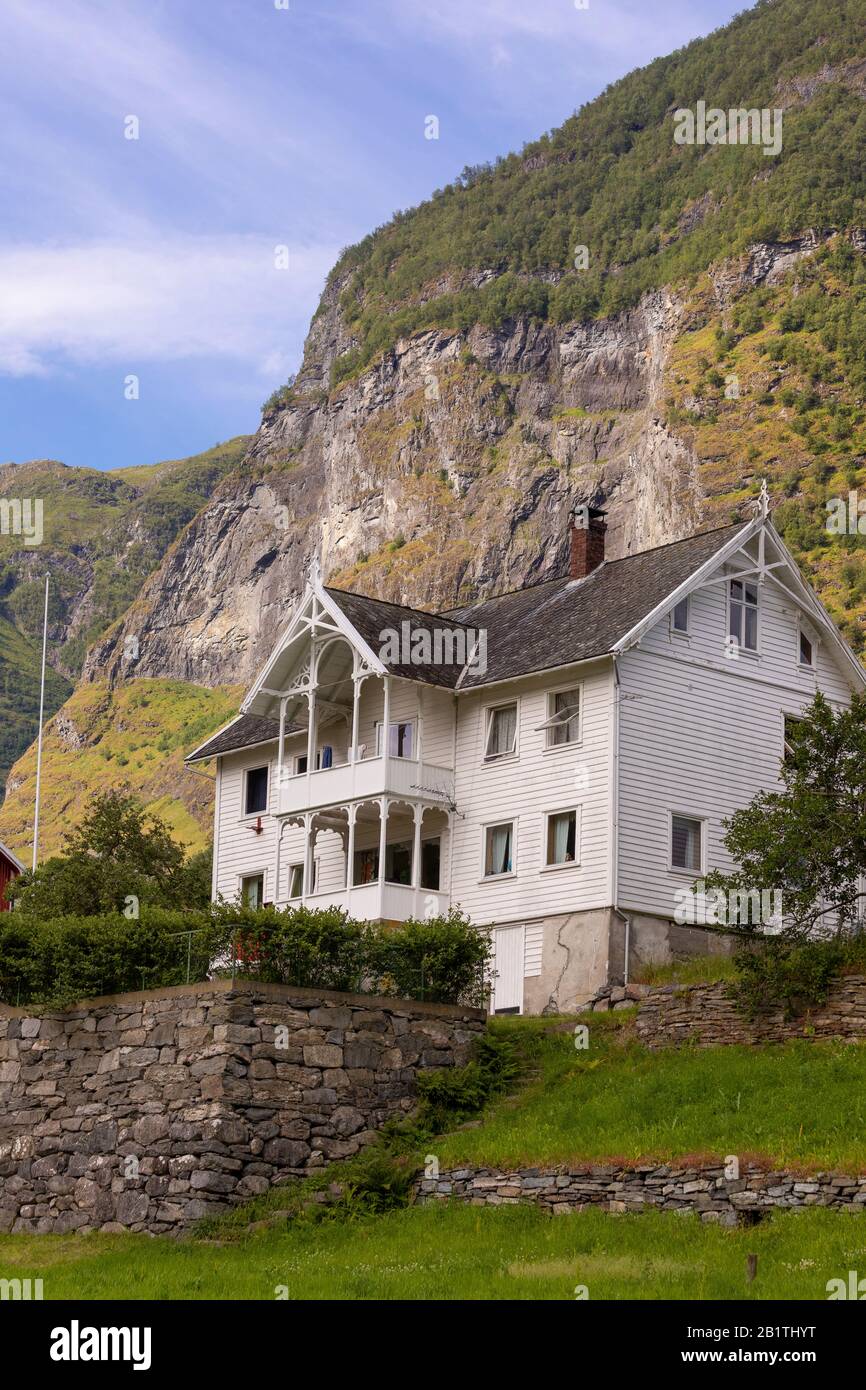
{"points": [[10, 868]]}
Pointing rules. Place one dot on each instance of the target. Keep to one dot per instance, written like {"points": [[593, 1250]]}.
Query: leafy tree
{"points": [[117, 853], [808, 841]]}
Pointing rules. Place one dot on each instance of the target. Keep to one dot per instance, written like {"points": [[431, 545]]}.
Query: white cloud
{"points": [[127, 303]]}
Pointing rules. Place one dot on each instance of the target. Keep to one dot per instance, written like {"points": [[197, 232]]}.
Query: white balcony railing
{"points": [[366, 779], [368, 902]]}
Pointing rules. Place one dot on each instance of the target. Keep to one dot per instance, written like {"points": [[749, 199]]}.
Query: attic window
{"points": [[743, 615], [807, 651], [680, 616]]}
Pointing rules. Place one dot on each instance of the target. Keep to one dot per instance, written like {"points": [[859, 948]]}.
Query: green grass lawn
{"points": [[800, 1104], [459, 1253]]}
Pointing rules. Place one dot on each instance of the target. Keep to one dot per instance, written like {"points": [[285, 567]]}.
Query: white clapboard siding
{"points": [[525, 789], [533, 944], [701, 734]]}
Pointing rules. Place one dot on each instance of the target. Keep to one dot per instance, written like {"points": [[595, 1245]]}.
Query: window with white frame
{"points": [[806, 655], [680, 616], [499, 849], [253, 890], [501, 737], [256, 791], [296, 879], [561, 838], [686, 843], [743, 614], [792, 726], [401, 739], [562, 724]]}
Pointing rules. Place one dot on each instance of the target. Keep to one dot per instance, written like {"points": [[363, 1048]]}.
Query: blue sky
{"points": [[258, 127]]}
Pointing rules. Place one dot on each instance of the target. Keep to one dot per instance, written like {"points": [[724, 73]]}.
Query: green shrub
{"points": [[450, 1094], [70, 958], [442, 958], [776, 973], [316, 949]]}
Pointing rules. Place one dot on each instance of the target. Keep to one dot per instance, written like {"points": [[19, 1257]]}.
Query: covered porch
{"points": [[380, 858]]}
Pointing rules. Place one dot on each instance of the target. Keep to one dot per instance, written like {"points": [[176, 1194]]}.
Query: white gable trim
{"points": [[301, 620], [633, 636], [802, 594]]}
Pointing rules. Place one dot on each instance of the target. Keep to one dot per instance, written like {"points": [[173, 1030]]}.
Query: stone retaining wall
{"points": [[703, 1189], [148, 1111], [703, 1014]]}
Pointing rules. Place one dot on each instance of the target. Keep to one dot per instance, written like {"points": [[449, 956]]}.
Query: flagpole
{"points": [[39, 741]]}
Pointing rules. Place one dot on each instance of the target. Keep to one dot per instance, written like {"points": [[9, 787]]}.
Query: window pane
{"points": [[398, 863], [561, 838], [430, 856], [736, 589], [751, 638], [735, 622], [751, 595], [502, 731], [252, 891], [257, 790], [685, 843], [681, 616], [805, 650], [296, 880], [400, 741], [498, 849], [565, 709]]}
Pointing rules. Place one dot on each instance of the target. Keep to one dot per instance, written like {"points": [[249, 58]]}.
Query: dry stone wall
{"points": [[149, 1111], [706, 1016], [669, 1187]]}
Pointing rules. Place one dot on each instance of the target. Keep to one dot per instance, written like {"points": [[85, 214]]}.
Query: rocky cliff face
{"points": [[447, 469]]}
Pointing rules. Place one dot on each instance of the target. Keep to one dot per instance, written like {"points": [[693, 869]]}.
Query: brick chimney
{"points": [[587, 528]]}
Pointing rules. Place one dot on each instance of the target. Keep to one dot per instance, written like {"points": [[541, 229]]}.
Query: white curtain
{"points": [[561, 826], [500, 849], [503, 727]]}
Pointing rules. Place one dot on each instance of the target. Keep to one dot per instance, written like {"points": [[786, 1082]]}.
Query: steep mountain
{"points": [[103, 534], [607, 316]]}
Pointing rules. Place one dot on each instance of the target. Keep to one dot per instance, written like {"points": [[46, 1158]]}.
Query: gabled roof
{"points": [[567, 620], [244, 731], [13, 859], [371, 617], [560, 622]]}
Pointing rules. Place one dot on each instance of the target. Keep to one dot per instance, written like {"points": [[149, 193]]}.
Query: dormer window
{"points": [[743, 614]]}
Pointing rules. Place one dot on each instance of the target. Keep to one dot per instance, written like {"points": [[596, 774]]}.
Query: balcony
{"points": [[372, 902], [365, 780]]}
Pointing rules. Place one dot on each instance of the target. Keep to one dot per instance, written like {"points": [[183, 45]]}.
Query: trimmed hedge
{"points": [[443, 960]]}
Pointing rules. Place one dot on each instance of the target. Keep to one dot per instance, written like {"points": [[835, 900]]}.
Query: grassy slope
{"points": [[801, 1104], [135, 736], [428, 1253]]}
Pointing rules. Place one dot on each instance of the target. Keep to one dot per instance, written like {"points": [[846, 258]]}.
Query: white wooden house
{"points": [[557, 761]]}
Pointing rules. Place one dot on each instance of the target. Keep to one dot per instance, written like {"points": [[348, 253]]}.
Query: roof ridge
{"points": [[389, 603]]}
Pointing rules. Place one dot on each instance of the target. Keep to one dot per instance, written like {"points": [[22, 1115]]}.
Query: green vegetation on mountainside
{"points": [[132, 738], [104, 534], [649, 211]]}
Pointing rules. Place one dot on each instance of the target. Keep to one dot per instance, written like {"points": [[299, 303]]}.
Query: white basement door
{"points": [[508, 964]]}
